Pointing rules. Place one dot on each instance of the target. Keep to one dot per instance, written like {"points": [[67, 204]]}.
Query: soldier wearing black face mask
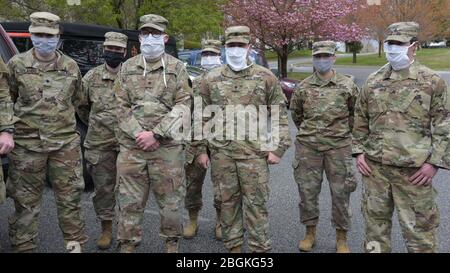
{"points": [[101, 147]]}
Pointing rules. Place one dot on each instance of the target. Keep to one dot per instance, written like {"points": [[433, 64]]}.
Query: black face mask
{"points": [[113, 59]]}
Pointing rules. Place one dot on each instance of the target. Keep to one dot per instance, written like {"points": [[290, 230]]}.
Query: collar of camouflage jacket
{"points": [[30, 61], [107, 75], [151, 66], [316, 80], [411, 73]]}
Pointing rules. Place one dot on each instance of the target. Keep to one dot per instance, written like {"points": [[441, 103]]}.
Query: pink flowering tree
{"points": [[283, 24]]}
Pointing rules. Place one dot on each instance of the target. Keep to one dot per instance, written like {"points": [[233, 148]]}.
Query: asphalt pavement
{"points": [[285, 228]]}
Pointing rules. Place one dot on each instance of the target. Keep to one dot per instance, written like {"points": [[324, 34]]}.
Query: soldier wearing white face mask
{"points": [[239, 168], [150, 88], [400, 138]]}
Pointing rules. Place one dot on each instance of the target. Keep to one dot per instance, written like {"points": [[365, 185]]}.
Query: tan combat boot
{"points": [[104, 242], [127, 248], [308, 242], [236, 249], [172, 246], [190, 231], [341, 241], [218, 229]]}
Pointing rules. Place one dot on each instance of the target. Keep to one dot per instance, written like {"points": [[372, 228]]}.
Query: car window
{"points": [[87, 53], [198, 59], [184, 57]]}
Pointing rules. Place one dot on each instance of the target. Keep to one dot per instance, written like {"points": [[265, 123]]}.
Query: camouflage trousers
{"points": [[309, 166], [387, 188], [2, 187], [101, 165], [138, 171], [195, 176], [26, 182], [244, 192]]}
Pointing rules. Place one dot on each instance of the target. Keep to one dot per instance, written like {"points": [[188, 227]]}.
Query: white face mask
{"points": [[323, 65], [397, 56], [152, 48], [45, 46], [237, 58], [210, 62]]}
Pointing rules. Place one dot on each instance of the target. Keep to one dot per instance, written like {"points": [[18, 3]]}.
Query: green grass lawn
{"points": [[272, 55], [299, 76], [437, 59]]}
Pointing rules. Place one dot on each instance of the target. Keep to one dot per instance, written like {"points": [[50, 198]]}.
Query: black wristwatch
{"points": [[157, 137], [9, 130]]}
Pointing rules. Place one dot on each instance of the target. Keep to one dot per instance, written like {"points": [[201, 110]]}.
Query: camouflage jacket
{"points": [[145, 103], [402, 118], [100, 111], [255, 86], [6, 115], [7, 118], [323, 111], [45, 96], [192, 150]]}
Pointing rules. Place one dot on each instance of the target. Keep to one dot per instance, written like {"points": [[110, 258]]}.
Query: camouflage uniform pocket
{"points": [[404, 101], [427, 216], [92, 157], [2, 191], [350, 181]]}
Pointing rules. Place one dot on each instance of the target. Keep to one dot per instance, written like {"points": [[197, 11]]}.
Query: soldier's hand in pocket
{"points": [[203, 160], [424, 176], [273, 159], [362, 165]]}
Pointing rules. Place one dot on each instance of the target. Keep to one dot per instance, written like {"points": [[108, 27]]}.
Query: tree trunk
{"points": [[283, 61], [380, 48], [354, 57]]}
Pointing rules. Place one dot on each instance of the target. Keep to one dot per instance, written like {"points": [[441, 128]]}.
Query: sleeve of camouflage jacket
{"points": [[7, 118], [127, 122], [276, 97], [440, 121], [204, 92], [297, 107], [183, 101], [196, 118], [79, 100], [361, 122], [84, 108], [351, 106]]}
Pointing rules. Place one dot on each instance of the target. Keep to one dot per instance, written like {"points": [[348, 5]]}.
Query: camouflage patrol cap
{"points": [[44, 22], [154, 21], [211, 46], [402, 31], [237, 34], [115, 39], [328, 47]]}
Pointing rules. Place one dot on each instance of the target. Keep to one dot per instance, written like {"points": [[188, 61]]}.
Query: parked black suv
{"points": [[84, 44], [81, 42]]}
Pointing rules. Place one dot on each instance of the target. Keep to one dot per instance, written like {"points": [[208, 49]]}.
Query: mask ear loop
{"points": [[145, 65], [164, 71]]}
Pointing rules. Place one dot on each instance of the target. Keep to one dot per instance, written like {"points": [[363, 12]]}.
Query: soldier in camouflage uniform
{"points": [[401, 134], [45, 87], [322, 109], [150, 88], [101, 146], [195, 174], [240, 167], [7, 121]]}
